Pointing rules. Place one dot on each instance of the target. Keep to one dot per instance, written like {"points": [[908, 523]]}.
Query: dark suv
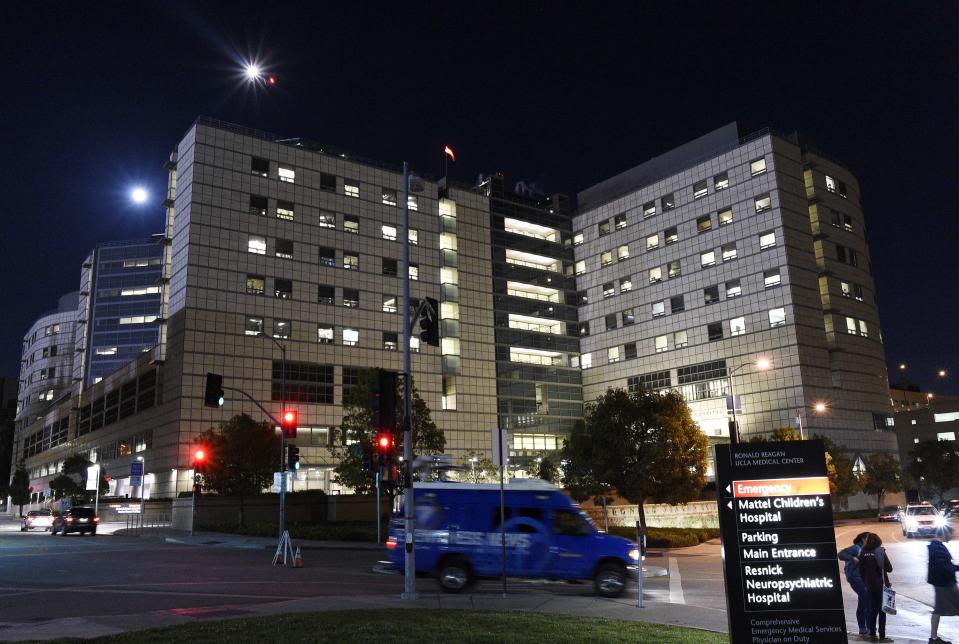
{"points": [[76, 519]]}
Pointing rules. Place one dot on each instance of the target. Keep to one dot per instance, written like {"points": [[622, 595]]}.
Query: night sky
{"points": [[564, 94]]}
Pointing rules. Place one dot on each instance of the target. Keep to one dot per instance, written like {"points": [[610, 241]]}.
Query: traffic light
{"points": [[292, 458], [384, 443], [199, 460], [430, 323], [288, 422], [383, 400], [214, 391]]}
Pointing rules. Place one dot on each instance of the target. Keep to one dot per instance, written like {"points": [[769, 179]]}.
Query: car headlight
{"points": [[634, 554], [911, 524], [940, 522]]}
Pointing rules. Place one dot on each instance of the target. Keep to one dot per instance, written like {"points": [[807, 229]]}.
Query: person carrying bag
{"points": [[874, 566]]}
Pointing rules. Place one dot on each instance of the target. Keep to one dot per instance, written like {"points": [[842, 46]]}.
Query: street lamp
{"points": [[820, 407], [762, 364], [282, 432], [473, 460], [942, 373]]}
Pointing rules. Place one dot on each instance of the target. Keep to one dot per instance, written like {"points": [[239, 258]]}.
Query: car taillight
{"points": [[390, 543], [96, 519], [69, 519]]}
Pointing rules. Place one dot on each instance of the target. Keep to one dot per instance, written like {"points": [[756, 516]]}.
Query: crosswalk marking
{"points": [[675, 583]]}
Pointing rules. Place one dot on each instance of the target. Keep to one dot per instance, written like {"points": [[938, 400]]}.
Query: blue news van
{"points": [[458, 537]]}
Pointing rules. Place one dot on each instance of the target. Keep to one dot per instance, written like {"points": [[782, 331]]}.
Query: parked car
{"points": [[459, 538], [922, 519], [890, 513], [37, 519], [76, 519], [950, 507]]}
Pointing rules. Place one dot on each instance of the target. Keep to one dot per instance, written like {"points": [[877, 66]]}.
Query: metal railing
{"points": [[139, 522]]}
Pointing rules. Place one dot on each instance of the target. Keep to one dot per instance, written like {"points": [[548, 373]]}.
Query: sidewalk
{"points": [[240, 541]]}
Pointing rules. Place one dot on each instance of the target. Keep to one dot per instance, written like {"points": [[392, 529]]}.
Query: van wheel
{"points": [[454, 575], [610, 580]]}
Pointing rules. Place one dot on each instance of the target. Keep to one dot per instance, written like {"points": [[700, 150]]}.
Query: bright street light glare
{"points": [[138, 195], [763, 363], [820, 407], [252, 72]]}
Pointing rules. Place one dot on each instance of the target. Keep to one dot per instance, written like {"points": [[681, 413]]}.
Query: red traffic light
{"points": [[288, 422], [271, 80], [384, 441], [199, 456]]}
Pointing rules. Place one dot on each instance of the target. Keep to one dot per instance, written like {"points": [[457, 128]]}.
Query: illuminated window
{"points": [[652, 242], [284, 210], [626, 284], [324, 334], [767, 240], [737, 326], [777, 317], [414, 237], [586, 360], [389, 232], [671, 235], [658, 308], [721, 181], [253, 326], [414, 344], [699, 189], [733, 288], [255, 285], [606, 258], [649, 209], [622, 252], [577, 238], [729, 252], [703, 224], [351, 189], [580, 267], [628, 317], [609, 289], [414, 272], [286, 173], [836, 186], [680, 339], [707, 258], [725, 216], [390, 341], [389, 304], [138, 319], [106, 351], [619, 221], [351, 298], [327, 220], [862, 329], [412, 203], [675, 269], [603, 228], [763, 203], [256, 245], [668, 202], [281, 328], [351, 337], [351, 224], [612, 354], [662, 343], [771, 278], [655, 274], [351, 261], [757, 167], [388, 196]]}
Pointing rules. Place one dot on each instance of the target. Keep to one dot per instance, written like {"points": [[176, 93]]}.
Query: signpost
{"points": [[136, 474], [93, 484], [779, 545]]}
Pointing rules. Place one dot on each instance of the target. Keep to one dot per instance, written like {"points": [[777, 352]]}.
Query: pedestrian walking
{"points": [[874, 567], [942, 576], [850, 555]]}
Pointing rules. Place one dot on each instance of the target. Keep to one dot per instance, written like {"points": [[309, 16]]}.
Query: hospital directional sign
{"points": [[779, 545], [136, 473]]}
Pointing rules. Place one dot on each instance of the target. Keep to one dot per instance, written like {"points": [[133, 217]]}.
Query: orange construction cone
{"points": [[297, 559]]}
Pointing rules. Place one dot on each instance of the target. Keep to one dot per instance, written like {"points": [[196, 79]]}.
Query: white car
{"points": [[921, 520], [37, 519]]}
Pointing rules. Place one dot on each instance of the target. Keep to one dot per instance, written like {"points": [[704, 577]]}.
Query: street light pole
{"points": [[409, 568], [762, 364], [143, 481], [282, 434]]}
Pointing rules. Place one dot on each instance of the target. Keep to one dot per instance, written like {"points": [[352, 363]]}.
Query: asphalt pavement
{"points": [[82, 586]]}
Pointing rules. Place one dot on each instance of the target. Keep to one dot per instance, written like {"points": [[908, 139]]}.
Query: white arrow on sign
{"points": [[729, 488], [730, 504]]}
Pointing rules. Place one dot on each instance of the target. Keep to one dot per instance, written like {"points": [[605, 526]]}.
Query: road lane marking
{"points": [[676, 595]]}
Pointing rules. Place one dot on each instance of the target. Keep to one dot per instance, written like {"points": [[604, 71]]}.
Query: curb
{"points": [[239, 545]]}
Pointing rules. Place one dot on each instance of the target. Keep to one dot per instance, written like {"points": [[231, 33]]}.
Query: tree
{"points": [[546, 469], [843, 481], [883, 475], [20, 487], [783, 434], [358, 424], [934, 468], [642, 444], [481, 470], [63, 486], [242, 456]]}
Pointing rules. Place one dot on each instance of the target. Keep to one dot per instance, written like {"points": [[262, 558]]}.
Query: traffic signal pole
{"points": [[409, 568]]}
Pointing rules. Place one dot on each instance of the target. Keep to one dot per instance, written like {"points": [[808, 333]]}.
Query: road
{"points": [[45, 579]]}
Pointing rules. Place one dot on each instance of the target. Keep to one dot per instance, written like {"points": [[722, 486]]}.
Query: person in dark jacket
{"points": [[942, 576], [874, 567], [850, 556]]}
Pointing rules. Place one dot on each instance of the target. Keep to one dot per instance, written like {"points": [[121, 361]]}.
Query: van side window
{"points": [[535, 514], [569, 523]]}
